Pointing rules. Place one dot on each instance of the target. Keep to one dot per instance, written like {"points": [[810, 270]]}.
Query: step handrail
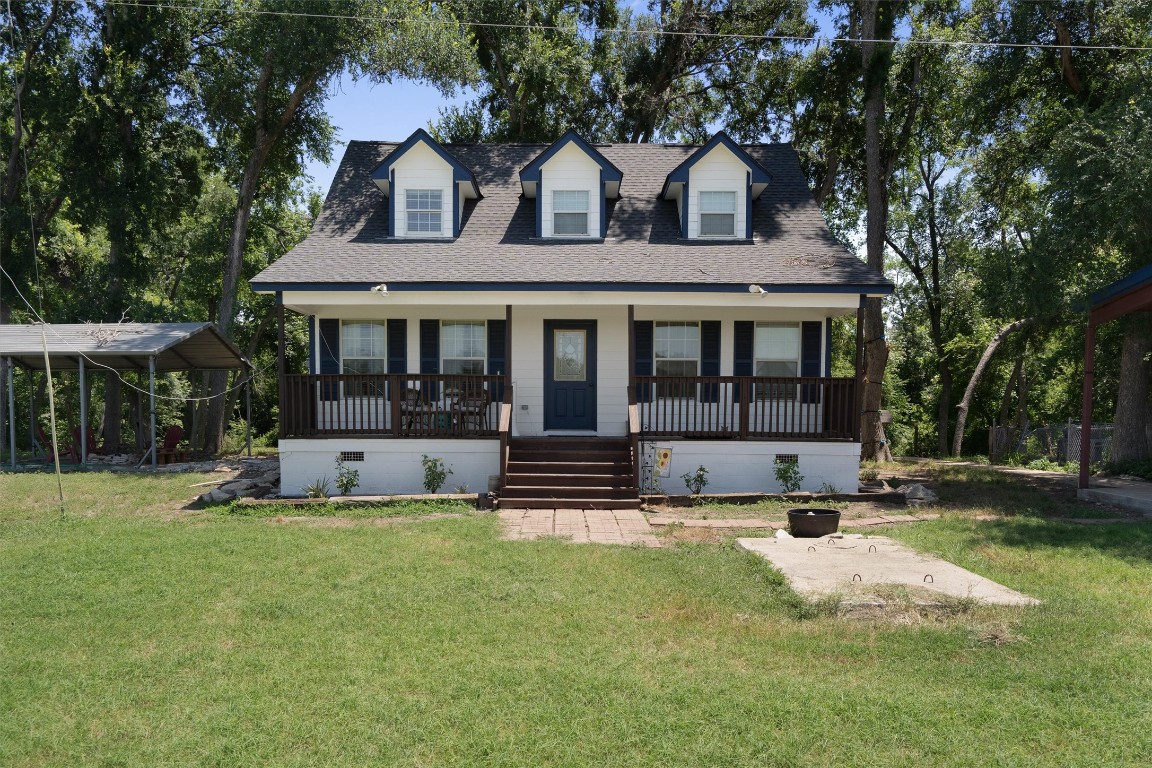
{"points": [[634, 443], [505, 428]]}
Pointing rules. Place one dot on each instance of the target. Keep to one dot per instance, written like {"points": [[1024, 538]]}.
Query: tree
{"points": [[262, 85]]}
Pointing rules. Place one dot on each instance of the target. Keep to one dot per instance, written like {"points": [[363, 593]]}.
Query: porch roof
{"points": [[122, 347], [497, 248]]}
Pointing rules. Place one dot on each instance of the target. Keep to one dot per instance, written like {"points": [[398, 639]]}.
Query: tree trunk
{"points": [[872, 443], [943, 407], [1129, 435], [978, 374]]}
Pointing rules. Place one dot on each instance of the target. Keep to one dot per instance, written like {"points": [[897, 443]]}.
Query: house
{"points": [[543, 318]]}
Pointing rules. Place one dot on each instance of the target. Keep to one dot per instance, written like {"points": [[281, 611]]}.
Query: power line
{"points": [[816, 40]]}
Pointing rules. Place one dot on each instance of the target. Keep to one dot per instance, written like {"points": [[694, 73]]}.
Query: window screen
{"points": [[717, 214], [570, 212]]}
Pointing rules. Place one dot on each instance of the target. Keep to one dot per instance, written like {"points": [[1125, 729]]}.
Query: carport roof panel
{"points": [[122, 346]]}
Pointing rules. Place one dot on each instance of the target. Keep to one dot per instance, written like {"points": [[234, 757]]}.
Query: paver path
{"points": [[581, 526]]}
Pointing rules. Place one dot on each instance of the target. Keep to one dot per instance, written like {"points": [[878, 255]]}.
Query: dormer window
{"points": [[426, 186], [570, 212], [571, 183], [424, 208], [714, 189], [717, 214]]}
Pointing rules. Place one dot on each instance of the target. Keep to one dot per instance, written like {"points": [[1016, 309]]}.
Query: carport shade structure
{"points": [[1123, 297], [152, 347]]}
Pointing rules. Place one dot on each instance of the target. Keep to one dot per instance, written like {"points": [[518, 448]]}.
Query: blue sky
{"points": [[361, 110]]}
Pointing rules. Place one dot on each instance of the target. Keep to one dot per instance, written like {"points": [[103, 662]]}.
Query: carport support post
{"points": [[152, 407], [12, 412], [83, 413], [281, 370], [248, 412], [1086, 403]]}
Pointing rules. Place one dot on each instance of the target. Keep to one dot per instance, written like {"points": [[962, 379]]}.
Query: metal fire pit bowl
{"points": [[811, 523]]}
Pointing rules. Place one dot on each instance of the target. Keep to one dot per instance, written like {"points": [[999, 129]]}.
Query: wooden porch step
{"points": [[511, 493], [569, 504], [567, 456], [571, 467], [565, 480]]}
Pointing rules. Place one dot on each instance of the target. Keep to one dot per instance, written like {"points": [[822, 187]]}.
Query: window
{"points": [[776, 352], [424, 208], [462, 347], [717, 214], [570, 212], [677, 351], [363, 352]]}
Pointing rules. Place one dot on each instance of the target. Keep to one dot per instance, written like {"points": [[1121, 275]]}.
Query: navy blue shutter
{"points": [[329, 356], [743, 337], [497, 355], [710, 359], [312, 344], [430, 355], [827, 347], [643, 331], [811, 335], [397, 335]]}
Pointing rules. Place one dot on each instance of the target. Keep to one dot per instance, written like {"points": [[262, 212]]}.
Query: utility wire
{"points": [[625, 31]]}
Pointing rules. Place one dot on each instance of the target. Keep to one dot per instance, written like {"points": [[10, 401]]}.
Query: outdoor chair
{"points": [[168, 453], [50, 454], [414, 410], [472, 411]]}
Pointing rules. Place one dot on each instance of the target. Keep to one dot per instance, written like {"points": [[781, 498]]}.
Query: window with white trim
{"points": [[676, 349], [776, 352], [424, 208], [570, 212], [363, 351], [462, 347], [717, 214]]}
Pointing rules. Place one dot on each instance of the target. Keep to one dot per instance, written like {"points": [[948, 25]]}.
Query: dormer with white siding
{"points": [[571, 183], [714, 190], [425, 186]]}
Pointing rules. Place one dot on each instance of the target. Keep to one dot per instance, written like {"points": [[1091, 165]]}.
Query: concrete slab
{"points": [[1126, 494], [853, 563]]}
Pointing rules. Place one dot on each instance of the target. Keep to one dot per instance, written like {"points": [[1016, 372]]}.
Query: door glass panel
{"points": [[570, 362]]}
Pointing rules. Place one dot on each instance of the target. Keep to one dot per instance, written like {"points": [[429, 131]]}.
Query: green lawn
{"points": [[133, 632]]}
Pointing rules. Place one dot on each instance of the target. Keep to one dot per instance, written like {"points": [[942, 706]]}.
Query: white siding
{"points": [[718, 171], [422, 168], [748, 466], [570, 169], [389, 466]]}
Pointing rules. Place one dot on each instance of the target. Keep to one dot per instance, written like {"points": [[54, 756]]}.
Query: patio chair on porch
{"points": [[472, 411], [414, 410]]}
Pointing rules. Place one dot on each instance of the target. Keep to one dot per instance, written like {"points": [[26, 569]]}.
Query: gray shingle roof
{"points": [[349, 244]]}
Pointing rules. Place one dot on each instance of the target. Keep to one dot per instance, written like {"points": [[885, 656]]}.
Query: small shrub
{"points": [[788, 475], [320, 488], [462, 488], [347, 480], [696, 481], [869, 473], [435, 473], [828, 488]]}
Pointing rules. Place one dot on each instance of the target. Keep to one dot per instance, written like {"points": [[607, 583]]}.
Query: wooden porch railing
{"points": [[391, 405], [747, 407]]}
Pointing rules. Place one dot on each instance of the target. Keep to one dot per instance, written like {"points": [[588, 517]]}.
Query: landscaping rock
{"points": [[215, 496], [915, 492], [236, 486]]}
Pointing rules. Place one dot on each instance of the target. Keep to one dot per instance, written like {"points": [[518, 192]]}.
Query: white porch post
{"points": [[12, 411]]}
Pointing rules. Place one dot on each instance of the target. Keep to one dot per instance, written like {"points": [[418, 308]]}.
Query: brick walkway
{"points": [[581, 526]]}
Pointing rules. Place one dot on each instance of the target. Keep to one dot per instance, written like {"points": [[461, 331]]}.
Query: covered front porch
{"points": [[461, 377]]}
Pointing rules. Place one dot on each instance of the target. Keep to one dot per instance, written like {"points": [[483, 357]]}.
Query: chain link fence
{"points": [[1058, 443]]}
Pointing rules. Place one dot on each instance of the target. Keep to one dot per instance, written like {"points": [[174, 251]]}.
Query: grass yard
{"points": [[136, 633]]}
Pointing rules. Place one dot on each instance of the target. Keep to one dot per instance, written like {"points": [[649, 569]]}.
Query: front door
{"points": [[570, 374]]}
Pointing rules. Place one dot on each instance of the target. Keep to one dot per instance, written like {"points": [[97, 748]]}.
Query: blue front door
{"points": [[570, 374]]}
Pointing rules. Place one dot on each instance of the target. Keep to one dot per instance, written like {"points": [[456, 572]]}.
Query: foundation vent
{"points": [[787, 458], [351, 455]]}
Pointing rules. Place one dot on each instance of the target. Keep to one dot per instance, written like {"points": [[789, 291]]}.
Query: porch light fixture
{"points": [[381, 289], [755, 288]]}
